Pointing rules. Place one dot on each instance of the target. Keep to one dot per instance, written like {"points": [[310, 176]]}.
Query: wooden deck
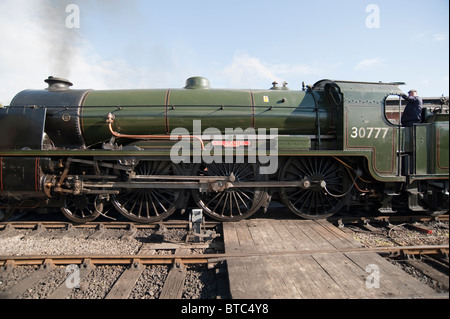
{"points": [[323, 273]]}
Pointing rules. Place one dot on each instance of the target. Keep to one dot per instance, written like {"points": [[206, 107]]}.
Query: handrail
{"points": [[110, 121]]}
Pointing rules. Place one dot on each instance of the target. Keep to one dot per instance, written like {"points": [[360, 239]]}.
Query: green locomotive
{"points": [[148, 152]]}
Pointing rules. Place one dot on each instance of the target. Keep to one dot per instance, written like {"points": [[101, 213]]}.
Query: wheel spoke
{"points": [[149, 205], [237, 204], [154, 208], [220, 201], [231, 204], [314, 202], [82, 208], [218, 194], [243, 202]]}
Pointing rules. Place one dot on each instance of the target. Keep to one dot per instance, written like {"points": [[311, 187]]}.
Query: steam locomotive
{"points": [[148, 153]]}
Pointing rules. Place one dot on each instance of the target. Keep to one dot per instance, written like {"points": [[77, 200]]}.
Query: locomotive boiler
{"points": [[148, 153]]}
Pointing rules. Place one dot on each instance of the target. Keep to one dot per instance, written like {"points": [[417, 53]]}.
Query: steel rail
{"points": [[392, 218], [208, 224], [207, 258], [106, 224]]}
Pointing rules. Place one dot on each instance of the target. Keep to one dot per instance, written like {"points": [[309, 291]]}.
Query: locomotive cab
{"points": [[424, 155]]}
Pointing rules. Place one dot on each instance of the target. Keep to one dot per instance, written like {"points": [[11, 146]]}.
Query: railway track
{"points": [[340, 220], [172, 273], [131, 268], [108, 225], [186, 259], [172, 268], [151, 248], [388, 218]]}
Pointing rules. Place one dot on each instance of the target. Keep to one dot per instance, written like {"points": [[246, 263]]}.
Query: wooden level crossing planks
{"points": [[27, 282], [318, 274], [174, 284], [64, 290], [126, 282]]}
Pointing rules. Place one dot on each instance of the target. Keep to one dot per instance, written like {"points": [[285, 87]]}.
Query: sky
{"points": [[244, 44]]}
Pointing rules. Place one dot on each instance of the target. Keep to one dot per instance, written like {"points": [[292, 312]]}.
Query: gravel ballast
{"points": [[199, 283]]}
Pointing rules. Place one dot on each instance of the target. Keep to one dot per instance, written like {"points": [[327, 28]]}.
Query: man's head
{"points": [[412, 93]]}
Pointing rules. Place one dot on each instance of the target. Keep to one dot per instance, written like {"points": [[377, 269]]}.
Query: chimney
{"points": [[57, 84]]}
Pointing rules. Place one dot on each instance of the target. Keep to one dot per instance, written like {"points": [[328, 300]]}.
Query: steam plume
{"points": [[62, 41]]}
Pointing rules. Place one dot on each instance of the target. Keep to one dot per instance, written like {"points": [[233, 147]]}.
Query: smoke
{"points": [[36, 42], [117, 46], [62, 39]]}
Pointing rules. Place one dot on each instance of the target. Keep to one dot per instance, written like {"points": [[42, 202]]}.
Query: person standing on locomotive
{"points": [[413, 109]]}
